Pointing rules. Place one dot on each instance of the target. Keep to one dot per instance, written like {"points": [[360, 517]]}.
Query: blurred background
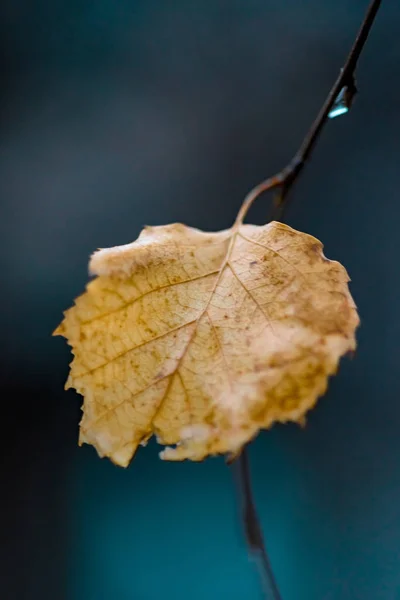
{"points": [[121, 114]]}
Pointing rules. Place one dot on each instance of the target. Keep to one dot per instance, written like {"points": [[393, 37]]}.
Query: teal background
{"points": [[117, 114]]}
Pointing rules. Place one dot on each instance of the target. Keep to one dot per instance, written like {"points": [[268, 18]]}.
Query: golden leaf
{"points": [[205, 338]]}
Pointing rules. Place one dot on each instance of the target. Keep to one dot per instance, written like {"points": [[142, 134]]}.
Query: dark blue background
{"points": [[117, 114]]}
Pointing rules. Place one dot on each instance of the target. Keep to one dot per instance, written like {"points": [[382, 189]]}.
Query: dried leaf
{"points": [[205, 338]]}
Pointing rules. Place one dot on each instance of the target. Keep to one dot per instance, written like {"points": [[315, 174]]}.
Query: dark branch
{"points": [[283, 181], [252, 527]]}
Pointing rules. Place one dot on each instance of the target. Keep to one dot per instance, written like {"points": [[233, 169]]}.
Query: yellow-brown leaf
{"points": [[205, 338]]}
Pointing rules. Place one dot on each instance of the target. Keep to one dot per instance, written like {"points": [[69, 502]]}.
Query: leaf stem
{"points": [[285, 179]]}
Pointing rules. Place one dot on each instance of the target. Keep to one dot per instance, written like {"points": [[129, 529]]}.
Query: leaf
{"points": [[205, 338]]}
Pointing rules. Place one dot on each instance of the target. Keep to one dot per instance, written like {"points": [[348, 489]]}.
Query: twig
{"points": [[284, 181], [252, 527]]}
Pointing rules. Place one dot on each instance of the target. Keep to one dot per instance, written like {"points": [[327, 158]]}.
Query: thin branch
{"points": [[252, 527], [283, 181]]}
